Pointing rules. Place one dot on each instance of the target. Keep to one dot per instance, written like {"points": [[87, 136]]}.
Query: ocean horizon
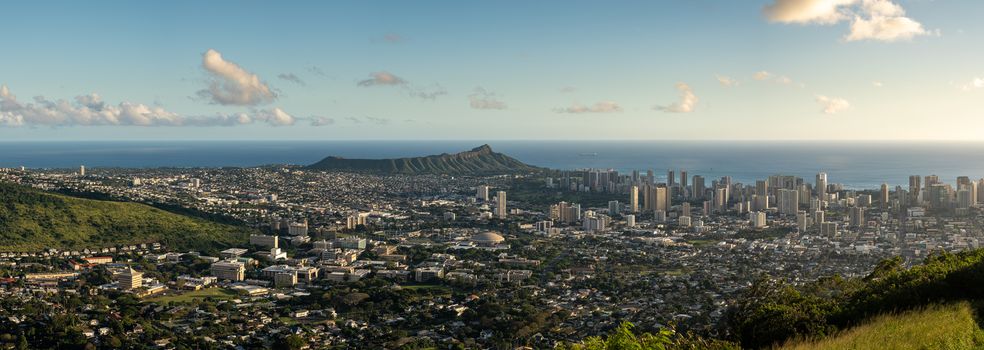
{"points": [[855, 164]]}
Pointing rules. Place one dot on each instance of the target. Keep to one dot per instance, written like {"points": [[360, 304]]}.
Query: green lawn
{"points": [[190, 296], [950, 326]]}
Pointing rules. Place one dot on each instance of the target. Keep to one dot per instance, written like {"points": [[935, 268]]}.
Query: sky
{"points": [[493, 70]]}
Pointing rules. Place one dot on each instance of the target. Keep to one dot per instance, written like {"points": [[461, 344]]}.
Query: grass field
{"points": [[950, 326], [187, 297]]}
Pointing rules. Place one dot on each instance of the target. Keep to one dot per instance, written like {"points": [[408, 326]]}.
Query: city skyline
{"points": [[763, 70]]}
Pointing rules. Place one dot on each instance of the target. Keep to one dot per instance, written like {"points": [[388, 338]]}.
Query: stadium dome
{"points": [[487, 238]]}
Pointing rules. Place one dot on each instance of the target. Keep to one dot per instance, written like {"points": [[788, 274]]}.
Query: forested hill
{"points": [[478, 161], [32, 220]]}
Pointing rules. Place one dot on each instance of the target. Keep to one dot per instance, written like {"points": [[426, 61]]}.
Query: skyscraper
{"points": [[482, 192], [81, 170], [683, 179], [698, 186], [634, 199], [788, 201], [670, 178], [500, 206], [884, 196], [821, 186]]}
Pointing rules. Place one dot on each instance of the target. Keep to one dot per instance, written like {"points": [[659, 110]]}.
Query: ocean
{"points": [[854, 164]]}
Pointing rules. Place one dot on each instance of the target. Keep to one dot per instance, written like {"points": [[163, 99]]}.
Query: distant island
{"points": [[477, 161]]}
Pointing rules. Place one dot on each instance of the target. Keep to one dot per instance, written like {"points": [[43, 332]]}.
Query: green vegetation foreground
{"points": [[33, 220]]}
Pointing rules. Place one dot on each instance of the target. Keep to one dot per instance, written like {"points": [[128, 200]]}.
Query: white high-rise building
{"points": [[822, 186], [482, 192], [81, 170], [757, 218], [634, 199], [500, 204]]}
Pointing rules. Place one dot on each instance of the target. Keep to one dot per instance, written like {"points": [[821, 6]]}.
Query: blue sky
{"points": [[805, 69]]}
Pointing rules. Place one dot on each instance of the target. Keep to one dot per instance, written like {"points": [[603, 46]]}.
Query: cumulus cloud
{"points": [[881, 20], [976, 83], [687, 103], [482, 99], [832, 105], [275, 117], [230, 84], [91, 110], [778, 79], [600, 107], [726, 81], [884, 21], [291, 77], [808, 11], [382, 79]]}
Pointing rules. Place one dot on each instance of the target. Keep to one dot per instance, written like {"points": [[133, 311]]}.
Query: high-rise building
{"points": [[856, 216], [802, 222], [500, 204], [757, 218], [630, 220], [614, 207], [788, 201], [885, 199], [964, 198], [915, 183], [818, 217], [828, 229], [761, 188], [81, 170], [930, 180], [129, 279], [698, 187], [670, 178], [683, 179], [685, 210], [660, 198], [821, 186], [634, 199], [482, 192]]}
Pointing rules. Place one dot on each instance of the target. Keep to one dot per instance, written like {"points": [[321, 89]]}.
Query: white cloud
{"points": [[275, 117], [976, 83], [600, 107], [687, 103], [832, 105], [881, 20], [91, 110], [726, 81], [482, 99], [230, 84], [807, 11], [382, 78], [762, 75]]}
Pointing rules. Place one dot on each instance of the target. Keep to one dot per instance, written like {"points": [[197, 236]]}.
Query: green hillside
{"points": [[478, 161], [950, 326], [31, 220], [773, 312]]}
